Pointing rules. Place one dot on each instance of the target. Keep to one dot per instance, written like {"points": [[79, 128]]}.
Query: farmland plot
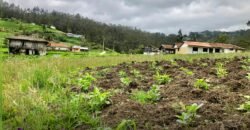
{"points": [[176, 94]]}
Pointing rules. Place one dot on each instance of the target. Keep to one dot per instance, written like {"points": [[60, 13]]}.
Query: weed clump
{"points": [[245, 106], [86, 81], [187, 71]]}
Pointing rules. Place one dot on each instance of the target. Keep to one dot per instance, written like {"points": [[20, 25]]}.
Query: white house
{"points": [[190, 47]]}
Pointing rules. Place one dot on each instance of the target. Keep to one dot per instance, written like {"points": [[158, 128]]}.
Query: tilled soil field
{"points": [[220, 101]]}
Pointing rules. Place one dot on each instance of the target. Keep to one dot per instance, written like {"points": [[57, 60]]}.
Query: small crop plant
{"points": [[220, 70], [136, 73], [245, 106], [126, 81], [202, 84], [122, 74], [150, 96], [126, 125], [245, 67], [189, 114], [162, 79], [97, 99], [248, 76], [86, 81], [187, 71]]}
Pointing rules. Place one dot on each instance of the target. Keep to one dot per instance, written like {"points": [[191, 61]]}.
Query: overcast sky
{"points": [[166, 16]]}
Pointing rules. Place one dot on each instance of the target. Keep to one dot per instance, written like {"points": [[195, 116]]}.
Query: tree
{"points": [[180, 36], [248, 23]]}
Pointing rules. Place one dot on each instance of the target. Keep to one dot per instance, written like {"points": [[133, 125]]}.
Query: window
{"points": [[195, 49], [217, 50], [231, 49], [205, 49]]}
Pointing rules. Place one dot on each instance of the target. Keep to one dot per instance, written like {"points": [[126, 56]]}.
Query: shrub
{"points": [[86, 81], [220, 70], [189, 114], [150, 96], [126, 125], [162, 79], [201, 83]]}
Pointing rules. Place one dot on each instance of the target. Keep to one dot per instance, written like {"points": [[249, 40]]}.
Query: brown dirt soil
{"points": [[220, 101]]}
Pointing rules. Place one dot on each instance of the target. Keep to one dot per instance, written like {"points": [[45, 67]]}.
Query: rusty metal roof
{"points": [[53, 44], [212, 45]]}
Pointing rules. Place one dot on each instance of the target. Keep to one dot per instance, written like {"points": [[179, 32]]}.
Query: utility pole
{"points": [[103, 43]]}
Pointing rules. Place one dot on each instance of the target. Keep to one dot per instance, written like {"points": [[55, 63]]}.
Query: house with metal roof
{"points": [[190, 47]]}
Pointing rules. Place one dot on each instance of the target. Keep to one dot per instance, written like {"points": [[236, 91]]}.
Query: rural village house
{"points": [[58, 47], [151, 51], [27, 45], [79, 49], [190, 47]]}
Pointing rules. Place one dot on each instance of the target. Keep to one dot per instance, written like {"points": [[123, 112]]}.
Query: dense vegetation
{"points": [[121, 38]]}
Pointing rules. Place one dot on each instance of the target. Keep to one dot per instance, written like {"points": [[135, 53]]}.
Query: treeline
{"points": [[118, 37], [121, 38]]}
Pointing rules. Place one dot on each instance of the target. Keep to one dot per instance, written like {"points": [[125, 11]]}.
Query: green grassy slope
{"points": [[9, 27]]}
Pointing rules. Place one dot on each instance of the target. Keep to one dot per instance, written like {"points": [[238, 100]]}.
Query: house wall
{"points": [[229, 51], [15, 43], [185, 49]]}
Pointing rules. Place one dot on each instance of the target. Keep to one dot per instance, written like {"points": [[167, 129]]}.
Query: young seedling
{"points": [[189, 114], [162, 79], [97, 99], [126, 125], [136, 73], [248, 76], [187, 71], [202, 84], [147, 97], [124, 78], [245, 67], [86, 81], [245, 106], [220, 70], [126, 81], [122, 74]]}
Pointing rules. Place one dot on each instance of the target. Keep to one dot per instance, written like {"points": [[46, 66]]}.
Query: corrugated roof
{"points": [[53, 44], [212, 45], [26, 38], [167, 46]]}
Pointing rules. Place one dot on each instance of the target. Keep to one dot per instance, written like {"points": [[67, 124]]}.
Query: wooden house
{"points": [[27, 45]]}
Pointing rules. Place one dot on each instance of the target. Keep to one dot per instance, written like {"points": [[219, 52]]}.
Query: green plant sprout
{"points": [[97, 99], [150, 96], [126, 81], [245, 67], [86, 81], [187, 71], [136, 73], [245, 106], [189, 114], [122, 74], [126, 125], [248, 76], [201, 83], [220, 70], [162, 79]]}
